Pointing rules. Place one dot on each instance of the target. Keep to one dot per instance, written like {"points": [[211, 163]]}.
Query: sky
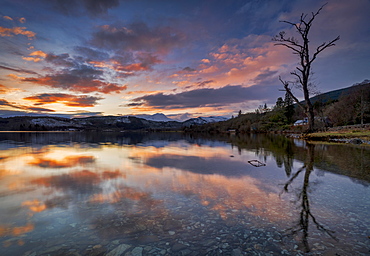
{"points": [[184, 59]]}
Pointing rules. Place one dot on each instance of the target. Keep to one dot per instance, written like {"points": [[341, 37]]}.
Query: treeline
{"points": [[351, 106]]}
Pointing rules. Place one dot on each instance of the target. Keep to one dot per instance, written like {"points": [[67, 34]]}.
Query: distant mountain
{"points": [[159, 117], [99, 123], [204, 120]]}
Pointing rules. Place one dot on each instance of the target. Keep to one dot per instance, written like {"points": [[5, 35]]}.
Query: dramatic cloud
{"points": [[61, 60], [66, 99], [16, 31], [142, 52], [89, 72], [6, 103], [83, 79], [207, 97], [138, 37]]}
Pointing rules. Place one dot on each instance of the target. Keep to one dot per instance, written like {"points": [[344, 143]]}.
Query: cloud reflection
{"points": [[142, 183], [68, 161]]}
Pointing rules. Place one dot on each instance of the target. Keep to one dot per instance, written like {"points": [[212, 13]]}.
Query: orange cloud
{"points": [[7, 104], [74, 83], [128, 69], [240, 62], [66, 99], [16, 31], [133, 67], [3, 89], [35, 56], [7, 18]]}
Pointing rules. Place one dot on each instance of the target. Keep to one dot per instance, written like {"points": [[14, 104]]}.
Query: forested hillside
{"points": [[336, 108]]}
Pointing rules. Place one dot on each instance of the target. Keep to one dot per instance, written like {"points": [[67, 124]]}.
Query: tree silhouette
{"points": [[304, 69]]}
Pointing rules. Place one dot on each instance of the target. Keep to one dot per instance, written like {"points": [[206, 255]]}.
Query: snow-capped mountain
{"points": [[204, 120], [103, 123], [159, 117]]}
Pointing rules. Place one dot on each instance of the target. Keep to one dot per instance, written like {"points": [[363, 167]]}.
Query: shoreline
{"points": [[345, 135]]}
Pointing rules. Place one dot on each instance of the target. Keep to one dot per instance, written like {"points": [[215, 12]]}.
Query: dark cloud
{"points": [[200, 84], [138, 37], [86, 72], [18, 70], [37, 109], [82, 78], [206, 97], [91, 53], [9, 113], [66, 99], [188, 69], [91, 7], [265, 75], [78, 114], [4, 102], [99, 6], [203, 83], [60, 60]]}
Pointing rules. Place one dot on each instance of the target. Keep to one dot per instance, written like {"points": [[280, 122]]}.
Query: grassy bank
{"points": [[349, 134]]}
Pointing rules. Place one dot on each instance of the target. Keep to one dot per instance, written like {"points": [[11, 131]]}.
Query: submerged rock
{"points": [[118, 250]]}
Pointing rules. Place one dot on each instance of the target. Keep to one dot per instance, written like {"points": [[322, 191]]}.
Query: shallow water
{"points": [[175, 194]]}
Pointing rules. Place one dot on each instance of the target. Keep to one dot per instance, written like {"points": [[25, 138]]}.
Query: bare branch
{"points": [[323, 46], [290, 47], [289, 91], [298, 76]]}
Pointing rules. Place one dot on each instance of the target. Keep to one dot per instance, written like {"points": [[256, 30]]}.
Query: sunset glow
{"points": [[198, 58]]}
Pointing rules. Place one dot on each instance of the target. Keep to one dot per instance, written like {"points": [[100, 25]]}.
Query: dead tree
{"points": [[304, 69]]}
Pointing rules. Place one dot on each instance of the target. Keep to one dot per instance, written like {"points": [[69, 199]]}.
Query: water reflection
{"points": [[174, 194], [305, 214]]}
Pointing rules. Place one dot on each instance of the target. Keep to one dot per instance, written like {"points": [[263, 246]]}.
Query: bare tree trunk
{"points": [[311, 117]]}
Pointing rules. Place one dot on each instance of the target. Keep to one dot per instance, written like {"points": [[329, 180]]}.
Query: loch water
{"points": [[75, 193]]}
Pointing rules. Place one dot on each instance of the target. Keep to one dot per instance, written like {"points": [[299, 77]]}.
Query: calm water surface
{"points": [[172, 194]]}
